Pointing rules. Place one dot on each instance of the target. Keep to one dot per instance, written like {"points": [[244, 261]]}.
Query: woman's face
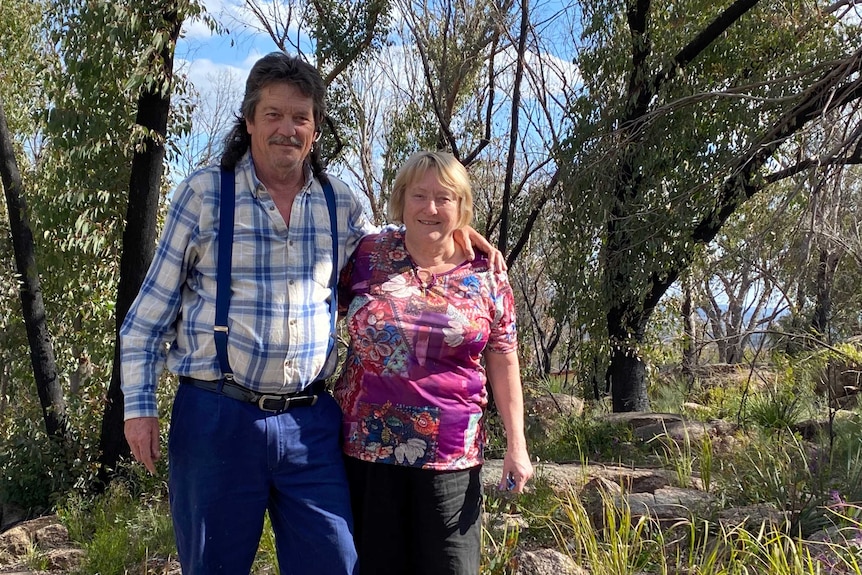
{"points": [[431, 211]]}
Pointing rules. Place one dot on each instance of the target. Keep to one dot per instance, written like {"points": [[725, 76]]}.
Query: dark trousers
{"points": [[412, 521], [230, 462]]}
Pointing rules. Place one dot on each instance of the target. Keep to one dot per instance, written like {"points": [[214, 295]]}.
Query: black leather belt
{"points": [[272, 402]]}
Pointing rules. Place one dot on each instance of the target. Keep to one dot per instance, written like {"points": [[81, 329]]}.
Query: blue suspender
{"points": [[333, 224], [224, 239]]}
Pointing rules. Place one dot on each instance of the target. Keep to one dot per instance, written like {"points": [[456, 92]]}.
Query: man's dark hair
{"points": [[275, 68]]}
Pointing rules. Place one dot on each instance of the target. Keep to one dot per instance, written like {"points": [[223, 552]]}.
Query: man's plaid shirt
{"points": [[279, 322]]}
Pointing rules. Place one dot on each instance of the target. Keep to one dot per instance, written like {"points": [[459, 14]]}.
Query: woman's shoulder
{"points": [[385, 239], [383, 250], [480, 268]]}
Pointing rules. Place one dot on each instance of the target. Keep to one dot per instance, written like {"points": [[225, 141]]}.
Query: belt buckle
{"points": [[285, 401], [264, 397]]}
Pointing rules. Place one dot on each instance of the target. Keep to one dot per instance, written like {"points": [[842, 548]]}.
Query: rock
{"points": [[64, 560], [648, 483], [52, 536], [543, 412], [545, 562], [831, 545], [637, 419], [595, 495], [678, 431], [565, 477], [667, 505], [554, 404], [15, 542], [670, 503], [10, 515], [840, 379], [751, 517], [45, 535], [810, 429], [695, 407]]}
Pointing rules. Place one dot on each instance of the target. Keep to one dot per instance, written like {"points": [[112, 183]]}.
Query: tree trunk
{"points": [[828, 263], [503, 239], [139, 238], [627, 378], [626, 372], [689, 353], [41, 346]]}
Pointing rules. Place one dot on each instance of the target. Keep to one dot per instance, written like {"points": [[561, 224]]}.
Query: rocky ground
{"points": [[42, 546]]}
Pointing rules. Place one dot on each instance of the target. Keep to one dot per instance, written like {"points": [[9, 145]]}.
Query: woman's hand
{"points": [[504, 375], [518, 468]]}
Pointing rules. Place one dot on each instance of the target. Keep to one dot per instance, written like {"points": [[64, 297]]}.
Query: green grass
{"points": [[817, 483], [619, 543], [119, 531]]}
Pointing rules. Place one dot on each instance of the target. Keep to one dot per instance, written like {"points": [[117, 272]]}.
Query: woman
{"points": [[421, 318]]}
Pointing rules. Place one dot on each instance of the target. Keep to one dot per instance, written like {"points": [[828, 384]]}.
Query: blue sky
{"points": [[203, 55], [206, 57]]}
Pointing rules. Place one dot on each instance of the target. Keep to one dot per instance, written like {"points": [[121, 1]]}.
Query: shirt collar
{"points": [[246, 164]]}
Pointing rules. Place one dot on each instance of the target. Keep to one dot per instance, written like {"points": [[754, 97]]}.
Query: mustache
{"points": [[285, 141]]}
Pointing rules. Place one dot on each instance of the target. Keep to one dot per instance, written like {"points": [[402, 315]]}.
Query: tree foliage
{"points": [[102, 62], [684, 110]]}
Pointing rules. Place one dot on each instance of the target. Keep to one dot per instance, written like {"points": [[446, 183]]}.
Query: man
{"points": [[266, 436], [231, 460]]}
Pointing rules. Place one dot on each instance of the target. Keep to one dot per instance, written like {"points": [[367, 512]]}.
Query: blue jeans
{"points": [[229, 462]]}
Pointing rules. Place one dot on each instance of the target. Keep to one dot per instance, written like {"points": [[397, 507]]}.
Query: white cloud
{"points": [[196, 29], [202, 72]]}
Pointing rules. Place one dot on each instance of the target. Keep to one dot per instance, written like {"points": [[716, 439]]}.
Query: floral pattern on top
{"points": [[401, 434], [413, 386]]}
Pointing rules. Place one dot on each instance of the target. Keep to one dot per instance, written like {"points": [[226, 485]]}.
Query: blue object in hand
{"points": [[510, 481]]}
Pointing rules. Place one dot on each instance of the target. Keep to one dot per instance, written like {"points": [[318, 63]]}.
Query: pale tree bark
{"points": [[689, 340]]}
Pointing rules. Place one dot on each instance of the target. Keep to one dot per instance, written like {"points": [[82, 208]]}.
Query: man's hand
{"points": [[142, 434], [469, 238]]}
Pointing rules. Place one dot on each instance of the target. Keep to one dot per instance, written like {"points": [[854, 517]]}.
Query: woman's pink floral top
{"points": [[413, 386]]}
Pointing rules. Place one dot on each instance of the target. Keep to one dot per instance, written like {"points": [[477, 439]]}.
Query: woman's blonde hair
{"points": [[451, 173]]}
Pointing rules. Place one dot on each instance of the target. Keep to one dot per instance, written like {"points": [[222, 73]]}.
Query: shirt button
{"points": [[290, 282], [290, 243], [272, 208], [293, 322]]}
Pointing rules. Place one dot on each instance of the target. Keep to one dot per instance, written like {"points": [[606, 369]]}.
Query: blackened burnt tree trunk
{"points": [[39, 338], [632, 302], [139, 236]]}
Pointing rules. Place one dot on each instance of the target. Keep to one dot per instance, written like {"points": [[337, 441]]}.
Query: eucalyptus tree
{"points": [[21, 46], [153, 82], [330, 34], [801, 243], [748, 275], [833, 220], [32, 302], [685, 107], [485, 79], [199, 140], [106, 131]]}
